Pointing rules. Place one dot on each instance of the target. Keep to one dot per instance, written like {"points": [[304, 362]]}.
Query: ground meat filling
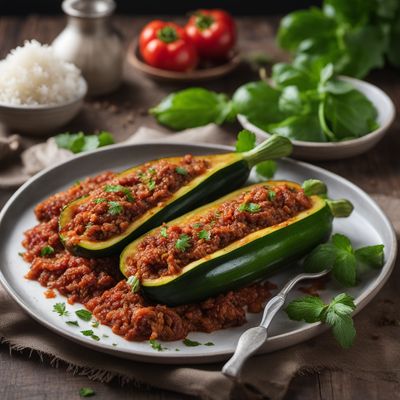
{"points": [[173, 247], [112, 207], [98, 285]]}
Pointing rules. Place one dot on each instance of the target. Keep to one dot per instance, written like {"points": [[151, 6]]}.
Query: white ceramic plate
{"points": [[368, 225], [348, 148]]}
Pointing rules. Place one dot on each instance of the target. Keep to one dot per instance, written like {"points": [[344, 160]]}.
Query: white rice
{"points": [[33, 75]]}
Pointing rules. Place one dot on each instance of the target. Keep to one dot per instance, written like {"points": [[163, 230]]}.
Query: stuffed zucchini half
{"points": [[146, 196], [232, 242]]}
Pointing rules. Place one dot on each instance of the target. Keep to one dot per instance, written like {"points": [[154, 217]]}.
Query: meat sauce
{"points": [[99, 286], [173, 247], [110, 208]]}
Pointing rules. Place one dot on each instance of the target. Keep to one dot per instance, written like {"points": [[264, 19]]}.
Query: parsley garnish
{"points": [[343, 259], [105, 336], [197, 225], [337, 314], [60, 309], [114, 344], [114, 208], [95, 324], [181, 171], [46, 251], [99, 200], [203, 234], [90, 333], [156, 345], [163, 231], [151, 184], [271, 195], [119, 188], [86, 392], [209, 344], [79, 142], [134, 283], [183, 242], [72, 323], [190, 343], [84, 314], [21, 254], [151, 171], [250, 207], [246, 141]]}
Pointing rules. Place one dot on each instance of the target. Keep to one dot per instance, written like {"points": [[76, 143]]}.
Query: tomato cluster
{"points": [[209, 35]]}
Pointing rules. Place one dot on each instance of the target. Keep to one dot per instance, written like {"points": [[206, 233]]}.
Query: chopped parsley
{"points": [[190, 343], [105, 336], [250, 207], [271, 195], [197, 225], [134, 283], [60, 309], [114, 208], [151, 171], [163, 231], [183, 242], [151, 184], [95, 324], [181, 171], [203, 234], [114, 344], [156, 345], [72, 323], [209, 344], [84, 314], [99, 200], [46, 251], [91, 334], [21, 254], [119, 188], [86, 392]]}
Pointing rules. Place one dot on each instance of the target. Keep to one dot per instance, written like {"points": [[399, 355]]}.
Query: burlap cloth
{"points": [[376, 350]]}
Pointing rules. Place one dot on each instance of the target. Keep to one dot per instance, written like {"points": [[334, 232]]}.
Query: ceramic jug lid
{"points": [[88, 8]]}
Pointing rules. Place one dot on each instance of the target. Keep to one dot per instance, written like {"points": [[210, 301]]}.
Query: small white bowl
{"points": [[41, 120], [349, 148]]}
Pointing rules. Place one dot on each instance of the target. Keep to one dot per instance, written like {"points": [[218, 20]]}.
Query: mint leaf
{"points": [[342, 242], [322, 257], [344, 268], [246, 141], [308, 308], [344, 331], [267, 169], [84, 314], [156, 345], [372, 256]]}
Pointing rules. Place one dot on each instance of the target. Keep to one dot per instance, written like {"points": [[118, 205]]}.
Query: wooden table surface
{"points": [[26, 376]]}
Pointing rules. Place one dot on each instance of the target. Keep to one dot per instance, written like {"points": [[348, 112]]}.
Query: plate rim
{"points": [[308, 331]]}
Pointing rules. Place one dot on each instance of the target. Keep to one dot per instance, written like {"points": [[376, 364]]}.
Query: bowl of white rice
{"points": [[39, 92]]}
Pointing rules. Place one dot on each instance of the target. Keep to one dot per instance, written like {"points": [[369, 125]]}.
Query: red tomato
{"points": [[165, 45], [213, 32]]}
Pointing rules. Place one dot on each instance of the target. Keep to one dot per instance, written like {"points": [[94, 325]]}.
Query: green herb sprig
{"points": [[79, 142]]}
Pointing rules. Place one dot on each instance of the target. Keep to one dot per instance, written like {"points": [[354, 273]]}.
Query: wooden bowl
{"points": [[196, 75]]}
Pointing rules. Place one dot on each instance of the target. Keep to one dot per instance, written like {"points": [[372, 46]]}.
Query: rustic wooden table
{"points": [[26, 376]]}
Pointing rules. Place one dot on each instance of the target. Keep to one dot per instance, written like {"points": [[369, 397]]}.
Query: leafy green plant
{"points": [[356, 36], [79, 142]]}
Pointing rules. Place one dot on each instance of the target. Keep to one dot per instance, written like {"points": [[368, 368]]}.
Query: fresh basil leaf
{"points": [[105, 138], [361, 57], [322, 257], [301, 127], [351, 12], [91, 143], [350, 114], [267, 169], [342, 242], [84, 314], [193, 107], [246, 141], [372, 256], [326, 73], [284, 75], [336, 86], [291, 101], [344, 268], [301, 25], [308, 309], [258, 101]]}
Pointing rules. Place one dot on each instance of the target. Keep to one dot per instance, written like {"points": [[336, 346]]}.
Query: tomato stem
{"points": [[167, 34], [203, 22]]}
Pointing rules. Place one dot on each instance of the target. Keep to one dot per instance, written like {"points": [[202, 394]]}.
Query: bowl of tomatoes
{"points": [[204, 48]]}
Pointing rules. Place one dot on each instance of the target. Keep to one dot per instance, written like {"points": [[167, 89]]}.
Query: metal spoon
{"points": [[252, 339]]}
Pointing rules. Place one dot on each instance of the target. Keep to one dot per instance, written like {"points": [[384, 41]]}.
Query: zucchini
{"points": [[226, 173], [244, 261]]}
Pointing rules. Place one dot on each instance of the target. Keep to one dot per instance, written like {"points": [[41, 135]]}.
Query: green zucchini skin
{"points": [[247, 263], [219, 183]]}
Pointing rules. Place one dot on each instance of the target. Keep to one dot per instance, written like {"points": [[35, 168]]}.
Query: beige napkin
{"points": [[377, 348]]}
